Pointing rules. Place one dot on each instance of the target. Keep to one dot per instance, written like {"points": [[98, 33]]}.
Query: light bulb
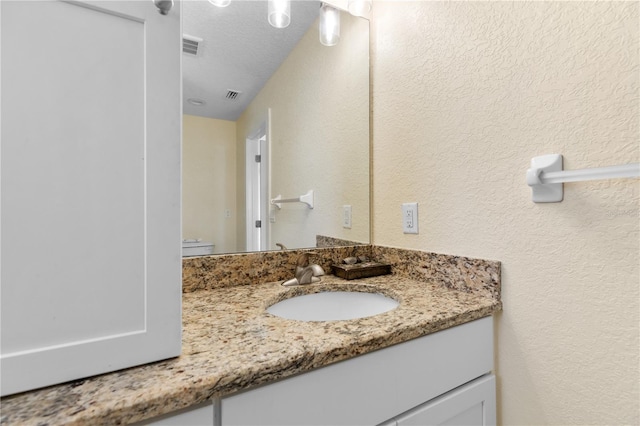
{"points": [[220, 3], [279, 13], [329, 25], [359, 7]]}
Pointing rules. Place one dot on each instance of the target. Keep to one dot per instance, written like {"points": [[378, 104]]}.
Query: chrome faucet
{"points": [[305, 273]]}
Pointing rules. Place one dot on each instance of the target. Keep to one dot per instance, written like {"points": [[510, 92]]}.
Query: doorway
{"points": [[257, 188]]}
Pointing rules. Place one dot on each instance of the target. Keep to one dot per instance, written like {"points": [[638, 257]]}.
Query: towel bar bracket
{"points": [[545, 193]]}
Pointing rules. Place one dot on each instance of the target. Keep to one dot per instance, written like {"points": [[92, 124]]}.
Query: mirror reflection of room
{"points": [[273, 114]]}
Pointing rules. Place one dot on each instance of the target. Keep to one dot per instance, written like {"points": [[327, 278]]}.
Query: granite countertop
{"points": [[231, 343]]}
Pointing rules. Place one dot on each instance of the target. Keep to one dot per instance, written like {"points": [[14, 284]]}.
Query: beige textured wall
{"points": [[208, 181], [319, 100], [465, 93]]}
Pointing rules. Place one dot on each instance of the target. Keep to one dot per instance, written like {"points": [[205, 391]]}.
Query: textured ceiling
{"points": [[240, 51]]}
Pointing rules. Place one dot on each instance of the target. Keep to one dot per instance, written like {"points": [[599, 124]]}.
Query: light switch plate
{"points": [[410, 218]]}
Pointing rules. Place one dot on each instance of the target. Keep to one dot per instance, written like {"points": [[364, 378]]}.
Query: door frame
{"points": [[258, 185]]}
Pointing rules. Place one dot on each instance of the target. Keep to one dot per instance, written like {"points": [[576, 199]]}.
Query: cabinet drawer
{"points": [[370, 388]]}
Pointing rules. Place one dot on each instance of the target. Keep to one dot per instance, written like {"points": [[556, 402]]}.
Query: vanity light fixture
{"points": [[279, 13], [220, 3], [359, 7], [329, 25], [164, 6]]}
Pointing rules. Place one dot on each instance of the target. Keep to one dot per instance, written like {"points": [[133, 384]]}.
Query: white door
{"points": [[257, 189], [90, 189]]}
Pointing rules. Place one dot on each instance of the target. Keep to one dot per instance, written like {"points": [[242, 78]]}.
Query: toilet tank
{"points": [[196, 248]]}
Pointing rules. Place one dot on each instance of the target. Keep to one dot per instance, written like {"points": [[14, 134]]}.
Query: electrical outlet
{"points": [[410, 218], [346, 216], [227, 213]]}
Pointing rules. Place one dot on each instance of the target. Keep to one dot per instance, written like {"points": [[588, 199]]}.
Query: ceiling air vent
{"points": [[233, 94], [190, 44]]}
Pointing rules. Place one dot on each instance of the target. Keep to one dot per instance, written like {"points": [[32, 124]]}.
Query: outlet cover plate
{"points": [[410, 218], [346, 216]]}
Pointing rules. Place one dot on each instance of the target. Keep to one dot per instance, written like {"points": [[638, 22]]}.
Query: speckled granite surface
{"points": [[324, 241], [231, 343], [206, 273], [466, 274], [461, 273]]}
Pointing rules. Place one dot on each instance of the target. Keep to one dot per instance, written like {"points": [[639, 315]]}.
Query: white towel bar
{"points": [[306, 199], [545, 177]]}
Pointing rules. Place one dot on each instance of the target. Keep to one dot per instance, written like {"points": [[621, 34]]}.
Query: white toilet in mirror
{"points": [[196, 247]]}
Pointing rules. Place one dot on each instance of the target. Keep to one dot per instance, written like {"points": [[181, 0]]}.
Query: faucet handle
{"points": [[303, 258], [304, 275], [317, 270]]}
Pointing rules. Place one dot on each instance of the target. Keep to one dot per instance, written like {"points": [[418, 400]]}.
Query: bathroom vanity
{"points": [[381, 385], [442, 378], [430, 358]]}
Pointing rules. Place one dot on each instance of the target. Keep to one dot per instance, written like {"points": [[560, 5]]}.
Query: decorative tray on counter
{"points": [[360, 270]]}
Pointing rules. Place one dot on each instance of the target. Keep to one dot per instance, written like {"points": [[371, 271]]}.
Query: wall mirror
{"points": [[271, 113]]}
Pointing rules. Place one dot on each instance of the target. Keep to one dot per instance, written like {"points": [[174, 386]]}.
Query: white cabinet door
{"points": [[90, 189], [473, 404]]}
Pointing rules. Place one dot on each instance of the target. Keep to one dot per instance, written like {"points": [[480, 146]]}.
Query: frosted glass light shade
{"points": [[220, 3], [359, 7], [279, 13], [329, 25]]}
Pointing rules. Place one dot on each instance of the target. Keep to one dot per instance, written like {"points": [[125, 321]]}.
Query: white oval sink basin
{"points": [[332, 306]]}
